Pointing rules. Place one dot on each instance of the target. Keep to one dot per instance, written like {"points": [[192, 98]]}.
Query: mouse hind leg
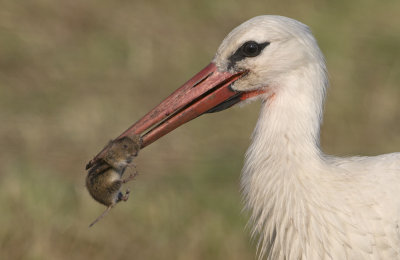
{"points": [[123, 197]]}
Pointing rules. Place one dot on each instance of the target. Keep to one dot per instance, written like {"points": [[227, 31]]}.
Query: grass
{"points": [[75, 74]]}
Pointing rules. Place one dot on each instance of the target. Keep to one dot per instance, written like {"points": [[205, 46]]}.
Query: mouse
{"points": [[104, 180]]}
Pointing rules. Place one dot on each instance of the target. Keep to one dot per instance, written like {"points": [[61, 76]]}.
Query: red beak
{"points": [[208, 91]]}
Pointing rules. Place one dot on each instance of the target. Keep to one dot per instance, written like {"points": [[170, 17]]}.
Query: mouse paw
{"points": [[126, 196], [123, 197]]}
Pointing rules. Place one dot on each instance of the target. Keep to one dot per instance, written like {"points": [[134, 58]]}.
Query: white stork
{"points": [[304, 204]]}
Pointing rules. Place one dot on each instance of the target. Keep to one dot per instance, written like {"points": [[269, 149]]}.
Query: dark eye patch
{"points": [[247, 50]]}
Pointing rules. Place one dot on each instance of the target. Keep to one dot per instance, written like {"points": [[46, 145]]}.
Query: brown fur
{"points": [[104, 179]]}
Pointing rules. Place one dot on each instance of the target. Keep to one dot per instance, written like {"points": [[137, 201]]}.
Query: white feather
{"points": [[305, 204]]}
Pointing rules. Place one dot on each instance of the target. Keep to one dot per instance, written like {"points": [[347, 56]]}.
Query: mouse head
{"points": [[122, 151]]}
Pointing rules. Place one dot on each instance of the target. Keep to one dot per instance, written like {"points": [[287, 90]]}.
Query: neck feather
{"points": [[283, 159]]}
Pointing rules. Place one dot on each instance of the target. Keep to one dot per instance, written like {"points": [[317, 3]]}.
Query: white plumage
{"points": [[305, 204]]}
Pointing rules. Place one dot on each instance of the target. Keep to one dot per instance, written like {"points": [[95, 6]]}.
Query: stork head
{"points": [[269, 48], [252, 61]]}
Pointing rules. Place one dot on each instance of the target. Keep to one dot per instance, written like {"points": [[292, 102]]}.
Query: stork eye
{"points": [[251, 49], [247, 50]]}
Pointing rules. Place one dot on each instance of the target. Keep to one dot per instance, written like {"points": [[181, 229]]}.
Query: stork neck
{"points": [[284, 160], [289, 121]]}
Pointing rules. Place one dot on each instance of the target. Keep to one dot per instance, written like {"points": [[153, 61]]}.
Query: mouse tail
{"points": [[101, 216]]}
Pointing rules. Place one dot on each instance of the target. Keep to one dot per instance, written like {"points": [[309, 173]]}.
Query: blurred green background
{"points": [[74, 74]]}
